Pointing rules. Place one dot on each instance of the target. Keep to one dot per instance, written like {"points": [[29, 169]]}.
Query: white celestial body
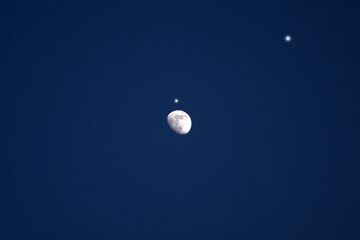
{"points": [[179, 121], [287, 38], [176, 100]]}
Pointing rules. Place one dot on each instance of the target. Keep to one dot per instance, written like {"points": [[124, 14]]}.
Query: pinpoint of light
{"points": [[176, 100], [288, 38]]}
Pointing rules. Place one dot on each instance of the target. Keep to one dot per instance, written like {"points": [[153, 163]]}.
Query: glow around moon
{"points": [[179, 121]]}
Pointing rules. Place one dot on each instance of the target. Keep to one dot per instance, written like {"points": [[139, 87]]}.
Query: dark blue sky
{"points": [[86, 152]]}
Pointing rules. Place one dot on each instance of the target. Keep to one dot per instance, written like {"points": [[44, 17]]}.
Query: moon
{"points": [[179, 121]]}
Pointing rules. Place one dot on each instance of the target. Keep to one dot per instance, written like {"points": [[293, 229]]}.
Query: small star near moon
{"points": [[288, 38], [176, 100]]}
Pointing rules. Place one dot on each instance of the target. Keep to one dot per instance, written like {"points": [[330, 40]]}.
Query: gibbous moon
{"points": [[179, 121]]}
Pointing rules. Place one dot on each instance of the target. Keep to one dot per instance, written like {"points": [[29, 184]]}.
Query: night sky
{"points": [[86, 151]]}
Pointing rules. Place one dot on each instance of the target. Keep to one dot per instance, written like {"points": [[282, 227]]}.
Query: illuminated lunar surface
{"points": [[179, 121]]}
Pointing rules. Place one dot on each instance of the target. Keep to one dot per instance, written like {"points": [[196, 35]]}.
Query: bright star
{"points": [[287, 38]]}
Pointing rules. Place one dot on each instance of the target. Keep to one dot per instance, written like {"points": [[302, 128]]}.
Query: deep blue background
{"points": [[86, 153]]}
